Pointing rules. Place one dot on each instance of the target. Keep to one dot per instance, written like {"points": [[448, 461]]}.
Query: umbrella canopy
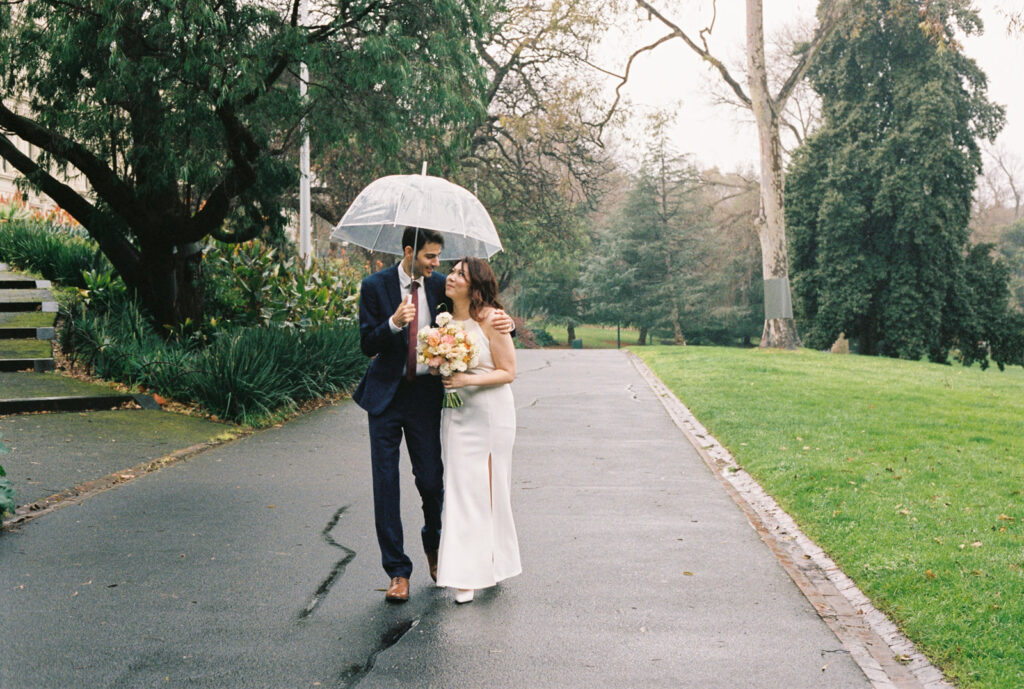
{"points": [[381, 212]]}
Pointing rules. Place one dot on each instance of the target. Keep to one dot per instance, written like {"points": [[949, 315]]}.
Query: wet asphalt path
{"points": [[254, 565]]}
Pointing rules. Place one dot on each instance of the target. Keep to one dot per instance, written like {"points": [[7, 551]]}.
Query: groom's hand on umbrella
{"points": [[502, 322], [405, 312]]}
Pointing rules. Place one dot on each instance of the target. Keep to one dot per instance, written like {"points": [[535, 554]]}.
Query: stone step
{"points": [[26, 355], [25, 349], [26, 333], [37, 365], [33, 392], [27, 300], [27, 319], [9, 280], [33, 325], [27, 384]]}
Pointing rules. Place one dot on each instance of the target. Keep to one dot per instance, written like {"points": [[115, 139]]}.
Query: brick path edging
{"points": [[888, 658]]}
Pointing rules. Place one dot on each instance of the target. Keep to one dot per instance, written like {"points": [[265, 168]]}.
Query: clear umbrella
{"points": [[380, 213]]}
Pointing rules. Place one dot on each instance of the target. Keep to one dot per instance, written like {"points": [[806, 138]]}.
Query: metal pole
{"points": [[305, 230], [416, 235]]}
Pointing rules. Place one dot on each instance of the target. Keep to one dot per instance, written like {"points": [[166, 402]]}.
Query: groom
{"points": [[401, 397]]}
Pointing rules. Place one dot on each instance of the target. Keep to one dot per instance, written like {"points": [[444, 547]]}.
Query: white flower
{"points": [[443, 319]]}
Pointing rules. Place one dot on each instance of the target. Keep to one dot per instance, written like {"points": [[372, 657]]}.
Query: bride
{"points": [[478, 547]]}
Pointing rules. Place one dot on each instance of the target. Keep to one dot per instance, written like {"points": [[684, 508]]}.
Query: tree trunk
{"points": [[642, 339], [676, 327], [173, 290], [779, 326], [572, 333]]}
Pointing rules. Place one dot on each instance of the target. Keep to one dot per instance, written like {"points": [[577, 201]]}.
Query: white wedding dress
{"points": [[479, 547]]}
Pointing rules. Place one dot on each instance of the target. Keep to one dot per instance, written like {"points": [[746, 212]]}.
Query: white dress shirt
{"points": [[422, 310]]}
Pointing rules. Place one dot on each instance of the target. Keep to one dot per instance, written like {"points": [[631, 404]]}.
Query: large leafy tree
{"points": [[180, 114], [532, 152], [537, 159], [879, 199]]}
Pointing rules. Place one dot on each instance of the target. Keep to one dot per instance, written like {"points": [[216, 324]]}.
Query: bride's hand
{"points": [[455, 380]]}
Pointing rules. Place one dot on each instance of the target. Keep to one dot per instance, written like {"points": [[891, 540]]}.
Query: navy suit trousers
{"points": [[415, 412]]}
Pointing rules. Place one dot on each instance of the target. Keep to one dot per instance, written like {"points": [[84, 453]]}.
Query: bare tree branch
{"points": [[116, 247], [102, 178], [625, 77], [703, 52], [834, 10]]}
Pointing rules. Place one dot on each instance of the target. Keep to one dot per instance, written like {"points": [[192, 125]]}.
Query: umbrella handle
{"points": [[424, 170]]}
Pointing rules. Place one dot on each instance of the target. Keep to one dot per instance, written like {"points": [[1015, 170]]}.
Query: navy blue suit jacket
{"points": [[379, 297]]}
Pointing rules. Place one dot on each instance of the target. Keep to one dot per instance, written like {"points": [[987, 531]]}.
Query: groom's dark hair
{"points": [[425, 236]]}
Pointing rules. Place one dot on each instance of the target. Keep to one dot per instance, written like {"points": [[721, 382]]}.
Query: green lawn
{"points": [[593, 336], [910, 475]]}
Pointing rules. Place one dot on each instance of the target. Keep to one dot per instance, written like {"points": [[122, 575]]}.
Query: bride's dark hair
{"points": [[483, 285]]}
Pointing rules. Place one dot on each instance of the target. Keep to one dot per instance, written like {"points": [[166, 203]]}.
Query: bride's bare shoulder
{"points": [[484, 318]]}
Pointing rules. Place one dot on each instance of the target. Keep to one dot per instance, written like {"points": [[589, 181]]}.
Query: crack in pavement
{"points": [[546, 365], [336, 571], [355, 674]]}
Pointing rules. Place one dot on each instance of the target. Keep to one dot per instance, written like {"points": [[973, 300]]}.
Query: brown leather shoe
{"points": [[398, 591], [432, 563]]}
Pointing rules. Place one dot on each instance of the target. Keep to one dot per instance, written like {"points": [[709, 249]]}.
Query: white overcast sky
{"points": [[673, 76]]}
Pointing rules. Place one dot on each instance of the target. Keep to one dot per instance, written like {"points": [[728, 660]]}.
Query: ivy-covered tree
{"points": [[986, 325], [1011, 249], [180, 115], [879, 199]]}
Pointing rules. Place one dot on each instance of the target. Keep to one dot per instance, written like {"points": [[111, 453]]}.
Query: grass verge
{"points": [[594, 336], [909, 474]]}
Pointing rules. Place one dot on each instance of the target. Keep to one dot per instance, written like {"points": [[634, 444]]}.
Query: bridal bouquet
{"points": [[449, 349]]}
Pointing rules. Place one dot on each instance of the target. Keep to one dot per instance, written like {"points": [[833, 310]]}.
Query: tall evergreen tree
{"points": [[878, 200], [643, 266]]}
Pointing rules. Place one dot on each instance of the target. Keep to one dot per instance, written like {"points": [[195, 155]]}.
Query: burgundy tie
{"points": [[414, 326]]}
